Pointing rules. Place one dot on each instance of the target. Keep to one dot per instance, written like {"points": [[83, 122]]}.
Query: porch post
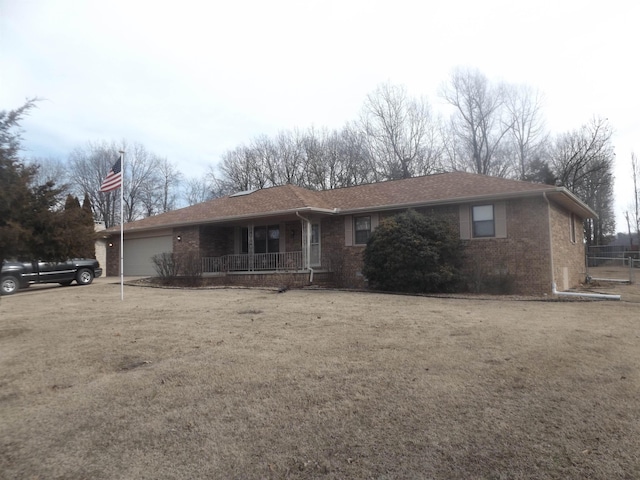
{"points": [[306, 243], [250, 245]]}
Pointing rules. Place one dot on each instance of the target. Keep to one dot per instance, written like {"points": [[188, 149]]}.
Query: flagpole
{"points": [[121, 229]]}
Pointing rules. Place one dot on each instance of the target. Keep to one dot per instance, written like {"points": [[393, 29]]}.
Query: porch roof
{"points": [[445, 188]]}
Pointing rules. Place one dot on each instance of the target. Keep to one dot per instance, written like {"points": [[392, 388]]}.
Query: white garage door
{"points": [[138, 253]]}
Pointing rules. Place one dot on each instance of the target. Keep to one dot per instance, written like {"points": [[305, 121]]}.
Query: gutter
{"points": [[584, 209], [308, 244]]}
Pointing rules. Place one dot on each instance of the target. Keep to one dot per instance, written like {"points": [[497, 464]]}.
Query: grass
{"points": [[248, 384]]}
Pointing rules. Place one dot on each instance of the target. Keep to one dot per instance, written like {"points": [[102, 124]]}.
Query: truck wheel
{"points": [[84, 276], [9, 285]]}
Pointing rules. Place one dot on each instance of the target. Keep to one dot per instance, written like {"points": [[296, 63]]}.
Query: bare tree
{"points": [[161, 195], [267, 163], [239, 170], [320, 160], [197, 190], [401, 134], [477, 125], [577, 154], [582, 161], [354, 166], [291, 156], [50, 169], [527, 134], [88, 165]]}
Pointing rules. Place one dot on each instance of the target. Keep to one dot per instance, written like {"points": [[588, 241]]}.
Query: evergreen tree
{"points": [[32, 226], [15, 194]]}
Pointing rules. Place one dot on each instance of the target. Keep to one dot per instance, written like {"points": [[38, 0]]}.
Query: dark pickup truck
{"points": [[16, 275]]}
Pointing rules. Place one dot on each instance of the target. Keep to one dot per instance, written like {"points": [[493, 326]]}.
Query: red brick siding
{"points": [[522, 256], [113, 257], [346, 262], [216, 241], [189, 239], [268, 280], [568, 256]]}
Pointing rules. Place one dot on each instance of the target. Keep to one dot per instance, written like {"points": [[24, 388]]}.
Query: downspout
{"points": [[601, 296], [307, 259], [554, 291], [553, 276]]}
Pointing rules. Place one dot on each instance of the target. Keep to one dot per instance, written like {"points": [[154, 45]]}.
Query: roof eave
{"points": [[573, 203], [228, 219], [560, 195]]}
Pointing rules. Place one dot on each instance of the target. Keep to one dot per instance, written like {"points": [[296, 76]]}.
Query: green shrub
{"points": [[410, 252]]}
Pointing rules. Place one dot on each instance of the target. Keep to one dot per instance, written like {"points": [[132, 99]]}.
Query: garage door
{"points": [[138, 253]]}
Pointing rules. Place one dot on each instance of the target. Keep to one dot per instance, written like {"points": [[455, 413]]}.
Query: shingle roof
{"points": [[428, 189], [266, 201], [431, 189]]}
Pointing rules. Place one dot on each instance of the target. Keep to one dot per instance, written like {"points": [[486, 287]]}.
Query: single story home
{"points": [[526, 234]]}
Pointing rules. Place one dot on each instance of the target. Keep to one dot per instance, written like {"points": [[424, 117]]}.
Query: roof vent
{"points": [[243, 193]]}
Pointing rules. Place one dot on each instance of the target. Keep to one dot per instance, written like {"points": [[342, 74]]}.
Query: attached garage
{"points": [[139, 251]]}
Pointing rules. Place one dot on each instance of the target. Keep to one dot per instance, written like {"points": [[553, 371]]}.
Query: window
{"points": [[244, 240], [483, 221], [266, 239], [362, 228], [572, 229], [315, 244]]}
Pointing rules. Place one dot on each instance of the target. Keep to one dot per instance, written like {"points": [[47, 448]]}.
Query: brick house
{"points": [[528, 233]]}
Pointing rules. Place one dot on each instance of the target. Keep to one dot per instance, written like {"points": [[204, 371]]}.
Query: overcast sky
{"points": [[191, 79]]}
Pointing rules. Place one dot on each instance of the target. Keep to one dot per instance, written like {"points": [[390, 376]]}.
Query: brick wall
{"points": [[346, 262], [520, 261], [189, 239], [113, 257], [268, 280], [568, 255], [216, 241]]}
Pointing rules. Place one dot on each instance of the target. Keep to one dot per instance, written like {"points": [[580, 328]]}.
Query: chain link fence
{"points": [[612, 263]]}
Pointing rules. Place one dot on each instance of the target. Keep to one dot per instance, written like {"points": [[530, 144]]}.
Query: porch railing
{"points": [[281, 261]]}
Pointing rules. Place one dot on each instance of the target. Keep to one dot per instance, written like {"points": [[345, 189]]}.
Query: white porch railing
{"points": [[281, 261]]}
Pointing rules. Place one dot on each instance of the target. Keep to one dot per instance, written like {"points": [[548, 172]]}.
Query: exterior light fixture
{"points": [[179, 238]]}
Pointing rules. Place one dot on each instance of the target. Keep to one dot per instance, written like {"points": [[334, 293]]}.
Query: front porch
{"points": [[256, 262], [283, 269], [278, 262]]}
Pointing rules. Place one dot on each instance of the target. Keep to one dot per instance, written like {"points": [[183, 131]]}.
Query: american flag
{"points": [[114, 177]]}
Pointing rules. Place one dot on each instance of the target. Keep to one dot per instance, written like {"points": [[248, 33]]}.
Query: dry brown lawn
{"points": [[251, 384]]}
